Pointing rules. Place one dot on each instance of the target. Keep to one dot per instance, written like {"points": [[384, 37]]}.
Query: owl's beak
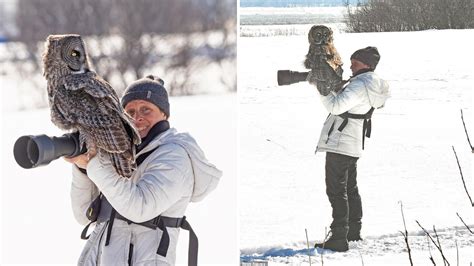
{"points": [[72, 69], [79, 71]]}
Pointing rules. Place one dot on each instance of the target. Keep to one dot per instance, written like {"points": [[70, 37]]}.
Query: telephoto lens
{"points": [[288, 77], [33, 151]]}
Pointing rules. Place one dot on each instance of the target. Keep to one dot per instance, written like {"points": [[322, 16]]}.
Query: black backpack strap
{"points": [[143, 156], [84, 235], [182, 223], [109, 227], [161, 222], [347, 115], [330, 130], [165, 240], [366, 127], [193, 243], [92, 214]]}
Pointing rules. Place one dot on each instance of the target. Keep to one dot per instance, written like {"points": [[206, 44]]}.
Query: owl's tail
{"points": [[123, 163]]}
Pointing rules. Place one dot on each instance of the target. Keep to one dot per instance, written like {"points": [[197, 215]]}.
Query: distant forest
{"points": [[382, 15], [411, 15], [296, 3]]}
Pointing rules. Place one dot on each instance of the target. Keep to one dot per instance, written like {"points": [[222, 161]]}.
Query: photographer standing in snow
{"points": [[343, 138], [138, 218]]}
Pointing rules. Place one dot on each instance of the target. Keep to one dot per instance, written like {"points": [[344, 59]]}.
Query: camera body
{"points": [[33, 151]]}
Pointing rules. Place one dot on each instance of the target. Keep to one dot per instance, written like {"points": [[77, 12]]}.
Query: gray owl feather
{"points": [[80, 100], [323, 60]]}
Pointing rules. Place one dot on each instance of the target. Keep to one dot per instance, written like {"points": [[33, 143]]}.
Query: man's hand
{"points": [[340, 86], [81, 160], [323, 87]]}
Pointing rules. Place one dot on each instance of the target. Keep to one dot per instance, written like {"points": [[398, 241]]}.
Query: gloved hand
{"points": [[324, 88], [340, 86]]}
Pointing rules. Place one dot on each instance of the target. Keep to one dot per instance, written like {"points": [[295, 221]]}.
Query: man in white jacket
{"points": [[343, 139], [139, 218]]}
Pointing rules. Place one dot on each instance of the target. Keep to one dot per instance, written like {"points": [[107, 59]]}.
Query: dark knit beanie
{"points": [[149, 89], [368, 55]]}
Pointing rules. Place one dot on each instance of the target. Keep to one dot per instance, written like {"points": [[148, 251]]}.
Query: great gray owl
{"points": [[80, 100], [323, 60]]}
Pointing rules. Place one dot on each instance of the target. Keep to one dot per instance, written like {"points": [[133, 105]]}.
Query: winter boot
{"points": [[337, 241], [354, 232]]}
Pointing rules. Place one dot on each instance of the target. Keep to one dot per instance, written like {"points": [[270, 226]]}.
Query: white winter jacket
{"points": [[364, 91], [176, 173]]}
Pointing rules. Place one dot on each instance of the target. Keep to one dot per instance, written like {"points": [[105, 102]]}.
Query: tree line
{"points": [[409, 15]]}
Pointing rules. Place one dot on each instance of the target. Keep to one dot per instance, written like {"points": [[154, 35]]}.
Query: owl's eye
{"points": [[75, 53]]}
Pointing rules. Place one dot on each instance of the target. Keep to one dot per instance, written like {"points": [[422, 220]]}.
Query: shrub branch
{"points": [[405, 235], [429, 250], [465, 130], [462, 177], [464, 223], [434, 243], [439, 243]]}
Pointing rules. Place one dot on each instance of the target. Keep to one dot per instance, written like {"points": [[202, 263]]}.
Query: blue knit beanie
{"points": [[149, 89]]}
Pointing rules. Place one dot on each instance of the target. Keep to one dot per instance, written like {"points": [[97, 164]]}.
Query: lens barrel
{"points": [[287, 77], [33, 151]]}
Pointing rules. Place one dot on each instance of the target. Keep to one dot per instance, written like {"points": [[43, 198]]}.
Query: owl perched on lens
{"points": [[80, 100], [323, 60]]}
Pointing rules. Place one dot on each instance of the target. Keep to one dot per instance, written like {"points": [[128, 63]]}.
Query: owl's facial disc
{"points": [[318, 38], [73, 54]]}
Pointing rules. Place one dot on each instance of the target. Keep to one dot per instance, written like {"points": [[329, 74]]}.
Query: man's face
{"points": [[145, 115], [357, 65]]}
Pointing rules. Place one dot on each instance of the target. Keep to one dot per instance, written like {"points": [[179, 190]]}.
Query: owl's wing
{"points": [[91, 83], [108, 101], [59, 118]]}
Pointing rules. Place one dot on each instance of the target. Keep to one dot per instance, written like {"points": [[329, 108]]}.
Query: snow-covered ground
{"points": [[37, 225], [409, 157]]}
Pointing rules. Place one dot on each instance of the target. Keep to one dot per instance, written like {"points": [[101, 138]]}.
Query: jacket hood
{"points": [[377, 89], [206, 175]]}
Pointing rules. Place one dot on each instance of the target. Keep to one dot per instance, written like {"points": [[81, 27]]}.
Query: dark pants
{"points": [[342, 191]]}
